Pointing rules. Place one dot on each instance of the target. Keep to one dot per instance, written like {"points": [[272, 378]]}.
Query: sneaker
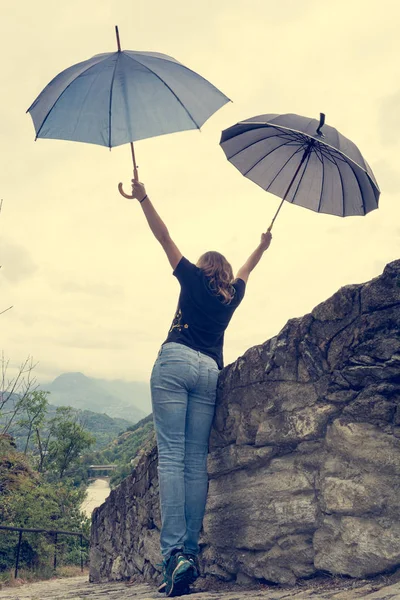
{"points": [[178, 572], [193, 559]]}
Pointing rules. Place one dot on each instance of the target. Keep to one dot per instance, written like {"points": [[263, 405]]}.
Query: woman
{"points": [[183, 389]]}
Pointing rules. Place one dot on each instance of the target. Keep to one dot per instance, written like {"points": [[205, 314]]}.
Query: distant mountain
{"points": [[118, 399]]}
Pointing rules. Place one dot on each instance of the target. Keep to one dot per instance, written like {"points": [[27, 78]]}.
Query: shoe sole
{"points": [[182, 576], [162, 587]]}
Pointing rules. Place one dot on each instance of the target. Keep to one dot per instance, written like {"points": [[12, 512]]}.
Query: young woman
{"points": [[183, 389]]}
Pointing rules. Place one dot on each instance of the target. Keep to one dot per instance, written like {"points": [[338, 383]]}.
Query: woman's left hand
{"points": [[138, 190]]}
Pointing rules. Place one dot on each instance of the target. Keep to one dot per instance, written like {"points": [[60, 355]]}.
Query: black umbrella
{"points": [[304, 162]]}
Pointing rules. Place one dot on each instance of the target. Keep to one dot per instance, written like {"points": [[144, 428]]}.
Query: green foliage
{"points": [[33, 413], [141, 423], [43, 486], [69, 439], [125, 448], [29, 500], [104, 428]]}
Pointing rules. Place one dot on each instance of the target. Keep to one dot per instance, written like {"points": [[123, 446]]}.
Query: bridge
{"points": [[101, 470]]}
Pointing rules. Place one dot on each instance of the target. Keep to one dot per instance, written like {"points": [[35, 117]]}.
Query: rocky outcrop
{"points": [[304, 460]]}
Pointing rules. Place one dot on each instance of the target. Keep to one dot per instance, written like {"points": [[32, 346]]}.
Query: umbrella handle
{"points": [[135, 175], [277, 212], [121, 191]]}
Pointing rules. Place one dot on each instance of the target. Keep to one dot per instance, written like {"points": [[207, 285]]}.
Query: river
{"points": [[97, 491]]}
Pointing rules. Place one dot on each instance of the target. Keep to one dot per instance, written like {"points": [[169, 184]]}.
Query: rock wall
{"points": [[304, 460]]}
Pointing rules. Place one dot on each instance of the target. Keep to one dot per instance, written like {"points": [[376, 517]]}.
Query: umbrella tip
{"points": [[118, 41], [321, 123]]}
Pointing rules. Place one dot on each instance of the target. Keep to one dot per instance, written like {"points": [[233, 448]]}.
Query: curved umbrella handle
{"points": [[121, 191], [135, 176]]}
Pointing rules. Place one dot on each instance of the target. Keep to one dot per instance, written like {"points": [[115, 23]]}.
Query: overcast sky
{"points": [[90, 287]]}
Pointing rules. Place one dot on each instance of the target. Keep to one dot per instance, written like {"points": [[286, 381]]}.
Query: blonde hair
{"points": [[219, 272]]}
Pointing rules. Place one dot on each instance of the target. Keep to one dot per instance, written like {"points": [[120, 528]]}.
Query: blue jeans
{"points": [[183, 391]]}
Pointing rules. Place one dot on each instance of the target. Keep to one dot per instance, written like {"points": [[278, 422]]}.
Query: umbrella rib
{"points": [[289, 129], [265, 156], [358, 183], [359, 187], [252, 144], [281, 169], [57, 99], [166, 85], [331, 154], [341, 183], [111, 95], [322, 183], [302, 175]]}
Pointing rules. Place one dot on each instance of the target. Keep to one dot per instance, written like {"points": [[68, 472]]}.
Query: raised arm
{"points": [[156, 224], [254, 257]]}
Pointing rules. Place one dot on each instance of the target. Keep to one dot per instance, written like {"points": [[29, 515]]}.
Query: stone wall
{"points": [[304, 459]]}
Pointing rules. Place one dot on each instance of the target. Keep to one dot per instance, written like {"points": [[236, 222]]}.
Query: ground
{"points": [[78, 588]]}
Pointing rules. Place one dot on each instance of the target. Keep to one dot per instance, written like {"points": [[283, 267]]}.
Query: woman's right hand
{"points": [[265, 240]]}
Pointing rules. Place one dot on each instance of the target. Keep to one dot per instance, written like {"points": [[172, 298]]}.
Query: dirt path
{"points": [[78, 588]]}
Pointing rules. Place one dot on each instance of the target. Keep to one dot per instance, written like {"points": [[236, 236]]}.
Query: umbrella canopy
{"points": [[303, 161], [124, 96], [120, 97]]}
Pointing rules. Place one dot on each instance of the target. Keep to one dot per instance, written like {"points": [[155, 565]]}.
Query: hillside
{"points": [[118, 399], [104, 428], [127, 448]]}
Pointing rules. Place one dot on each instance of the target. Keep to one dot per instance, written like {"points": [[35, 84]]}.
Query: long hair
{"points": [[219, 273]]}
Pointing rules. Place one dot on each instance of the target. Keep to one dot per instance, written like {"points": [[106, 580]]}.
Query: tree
{"points": [[15, 391], [43, 441], [69, 440], [29, 500], [34, 409]]}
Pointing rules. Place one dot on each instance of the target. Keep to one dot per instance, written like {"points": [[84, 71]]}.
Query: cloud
{"points": [[282, 12], [16, 261], [92, 337], [104, 339], [92, 342], [106, 290], [104, 297], [388, 178], [390, 119]]}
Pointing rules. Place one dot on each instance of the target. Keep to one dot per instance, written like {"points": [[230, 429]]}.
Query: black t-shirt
{"points": [[202, 317]]}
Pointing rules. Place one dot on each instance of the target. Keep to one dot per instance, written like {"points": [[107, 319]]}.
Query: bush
{"points": [[29, 501]]}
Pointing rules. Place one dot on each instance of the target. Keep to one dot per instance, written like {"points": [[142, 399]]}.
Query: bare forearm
{"points": [[254, 258], [156, 224], [154, 220]]}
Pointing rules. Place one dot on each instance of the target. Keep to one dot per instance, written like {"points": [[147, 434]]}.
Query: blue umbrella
{"points": [[304, 162], [124, 96]]}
